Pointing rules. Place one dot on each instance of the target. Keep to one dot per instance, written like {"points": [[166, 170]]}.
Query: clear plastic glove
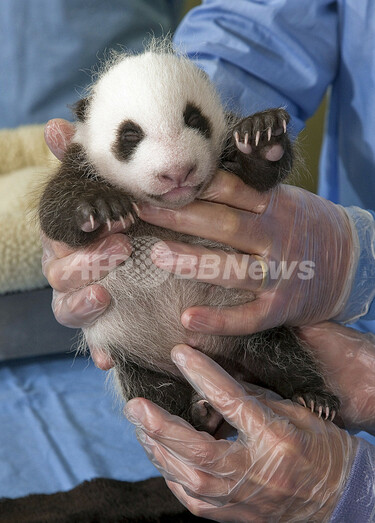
{"points": [[77, 301], [347, 358], [286, 464], [300, 254]]}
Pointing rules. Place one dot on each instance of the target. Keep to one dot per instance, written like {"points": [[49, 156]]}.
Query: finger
{"points": [[194, 448], [208, 510], [225, 394], [58, 134], [217, 267], [181, 453], [240, 229], [332, 340], [53, 249], [86, 265], [194, 479], [195, 506], [258, 416], [171, 430], [301, 417], [229, 189], [238, 320], [101, 359], [81, 308], [341, 350]]}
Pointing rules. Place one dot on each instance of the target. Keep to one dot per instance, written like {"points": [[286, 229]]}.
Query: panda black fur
{"points": [[153, 129]]}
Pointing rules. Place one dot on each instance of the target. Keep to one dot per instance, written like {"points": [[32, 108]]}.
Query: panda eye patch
{"points": [[129, 134], [194, 118]]}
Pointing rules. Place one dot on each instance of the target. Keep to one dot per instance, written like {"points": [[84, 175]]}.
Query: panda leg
{"points": [[166, 391], [89, 205], [280, 360]]}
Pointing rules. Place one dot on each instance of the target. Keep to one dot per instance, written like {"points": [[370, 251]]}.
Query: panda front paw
{"points": [[98, 210], [263, 152], [262, 134]]}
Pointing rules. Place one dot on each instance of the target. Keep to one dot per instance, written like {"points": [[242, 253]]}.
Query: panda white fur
{"points": [[153, 129]]}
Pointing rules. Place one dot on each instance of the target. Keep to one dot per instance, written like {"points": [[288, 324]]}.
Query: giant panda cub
{"points": [[152, 129]]}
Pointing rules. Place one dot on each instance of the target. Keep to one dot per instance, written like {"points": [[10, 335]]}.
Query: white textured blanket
{"points": [[25, 162]]}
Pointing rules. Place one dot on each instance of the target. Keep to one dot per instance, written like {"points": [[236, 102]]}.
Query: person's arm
{"points": [[357, 501], [286, 464], [265, 54], [361, 302]]}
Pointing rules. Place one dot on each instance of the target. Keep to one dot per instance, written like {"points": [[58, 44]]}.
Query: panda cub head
{"points": [[153, 126]]}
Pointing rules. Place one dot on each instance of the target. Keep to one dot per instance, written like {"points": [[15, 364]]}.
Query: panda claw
{"points": [[131, 218], [257, 138], [324, 404], [269, 133], [284, 126], [122, 220], [109, 225], [244, 147], [92, 222]]}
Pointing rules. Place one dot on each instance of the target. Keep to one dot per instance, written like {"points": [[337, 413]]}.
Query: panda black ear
{"points": [[79, 109]]}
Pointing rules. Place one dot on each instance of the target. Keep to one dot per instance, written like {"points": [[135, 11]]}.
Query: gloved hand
{"points": [[306, 243], [347, 358], [70, 272], [286, 464]]}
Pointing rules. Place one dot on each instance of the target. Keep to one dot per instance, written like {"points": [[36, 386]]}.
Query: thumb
{"points": [[58, 134], [239, 320], [331, 342]]}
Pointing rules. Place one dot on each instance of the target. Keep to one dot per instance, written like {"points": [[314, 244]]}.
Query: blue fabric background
{"points": [[60, 425], [48, 48]]}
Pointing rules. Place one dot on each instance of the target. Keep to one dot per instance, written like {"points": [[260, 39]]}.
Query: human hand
{"points": [[286, 464], [77, 301], [347, 358], [306, 243]]}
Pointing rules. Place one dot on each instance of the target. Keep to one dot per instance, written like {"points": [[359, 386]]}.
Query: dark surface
{"points": [[100, 501], [28, 326]]}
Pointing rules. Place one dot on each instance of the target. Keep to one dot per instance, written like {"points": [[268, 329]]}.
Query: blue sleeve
{"points": [[357, 502], [268, 53], [278, 53], [361, 301]]}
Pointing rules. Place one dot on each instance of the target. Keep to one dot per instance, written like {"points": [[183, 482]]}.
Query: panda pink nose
{"points": [[178, 175]]}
